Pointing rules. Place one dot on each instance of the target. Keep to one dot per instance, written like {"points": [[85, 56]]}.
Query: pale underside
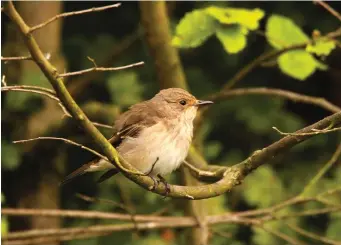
{"points": [[165, 143]]}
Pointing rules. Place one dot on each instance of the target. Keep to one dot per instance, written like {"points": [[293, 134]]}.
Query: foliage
{"points": [[230, 25]]}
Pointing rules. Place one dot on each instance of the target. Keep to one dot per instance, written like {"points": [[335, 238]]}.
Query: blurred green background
{"points": [[231, 130]]}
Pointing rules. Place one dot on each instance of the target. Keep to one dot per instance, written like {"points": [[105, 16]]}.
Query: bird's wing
{"points": [[129, 124]]}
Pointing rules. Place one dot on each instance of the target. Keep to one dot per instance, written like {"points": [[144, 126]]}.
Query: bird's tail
{"points": [[95, 165], [78, 172]]}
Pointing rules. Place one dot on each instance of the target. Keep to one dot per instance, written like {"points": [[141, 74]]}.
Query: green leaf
{"points": [[298, 64], [263, 188], [282, 32], [125, 88], [334, 228], [16, 100], [10, 157], [233, 38], [194, 29], [321, 47], [245, 17]]}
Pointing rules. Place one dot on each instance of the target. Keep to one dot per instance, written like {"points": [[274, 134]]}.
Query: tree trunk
{"points": [[170, 74]]}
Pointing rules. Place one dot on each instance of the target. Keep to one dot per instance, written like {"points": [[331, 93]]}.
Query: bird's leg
{"points": [[156, 182], [151, 170], [162, 180]]}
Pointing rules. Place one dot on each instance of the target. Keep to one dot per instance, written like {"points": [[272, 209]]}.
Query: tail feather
{"points": [[78, 172], [107, 175]]}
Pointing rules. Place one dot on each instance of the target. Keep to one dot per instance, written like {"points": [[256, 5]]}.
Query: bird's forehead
{"points": [[176, 94]]}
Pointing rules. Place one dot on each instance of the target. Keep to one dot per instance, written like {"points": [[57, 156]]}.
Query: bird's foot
{"points": [[167, 186], [155, 183]]}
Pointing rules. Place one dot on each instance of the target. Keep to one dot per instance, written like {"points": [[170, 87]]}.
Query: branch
{"points": [[329, 9], [34, 28], [323, 170], [66, 141], [99, 69], [16, 58], [318, 101]]}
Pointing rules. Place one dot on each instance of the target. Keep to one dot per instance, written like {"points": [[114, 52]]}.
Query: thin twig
{"points": [[328, 8], [19, 58], [323, 170], [34, 28], [318, 101], [312, 235], [66, 141], [100, 69], [315, 132]]}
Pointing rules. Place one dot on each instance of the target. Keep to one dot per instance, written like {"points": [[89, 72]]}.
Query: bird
{"points": [[154, 136]]}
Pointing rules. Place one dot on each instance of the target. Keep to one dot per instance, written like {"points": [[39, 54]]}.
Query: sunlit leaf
{"points": [[321, 47], [282, 32], [244, 17], [233, 38], [194, 29], [298, 64]]}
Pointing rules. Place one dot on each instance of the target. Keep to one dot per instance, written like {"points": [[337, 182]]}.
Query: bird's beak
{"points": [[203, 102]]}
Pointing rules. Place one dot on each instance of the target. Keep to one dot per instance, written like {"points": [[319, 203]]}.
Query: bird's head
{"points": [[179, 102]]}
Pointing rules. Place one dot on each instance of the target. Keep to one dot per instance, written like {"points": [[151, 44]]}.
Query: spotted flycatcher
{"points": [[154, 136]]}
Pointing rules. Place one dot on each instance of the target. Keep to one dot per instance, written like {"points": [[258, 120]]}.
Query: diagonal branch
{"points": [[34, 28]]}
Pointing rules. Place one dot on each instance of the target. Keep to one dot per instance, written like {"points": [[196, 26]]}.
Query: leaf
{"points": [[282, 32], [10, 157], [298, 64], [334, 227], [263, 188], [321, 47], [125, 88], [244, 17], [233, 38], [16, 100], [194, 29]]}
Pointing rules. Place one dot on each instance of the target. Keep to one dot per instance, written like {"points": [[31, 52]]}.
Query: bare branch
{"points": [[21, 58], [312, 235], [328, 8], [66, 141], [100, 69], [323, 170], [34, 28], [314, 131], [16, 58], [279, 93]]}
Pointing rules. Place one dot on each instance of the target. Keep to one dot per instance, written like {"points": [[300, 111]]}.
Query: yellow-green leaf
{"points": [[245, 17], [321, 47], [194, 29], [232, 37], [298, 64], [282, 32]]}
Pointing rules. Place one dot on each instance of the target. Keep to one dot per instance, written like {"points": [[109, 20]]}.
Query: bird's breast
{"points": [[166, 144]]}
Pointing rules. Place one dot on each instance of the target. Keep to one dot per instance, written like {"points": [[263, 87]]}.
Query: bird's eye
{"points": [[182, 102]]}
